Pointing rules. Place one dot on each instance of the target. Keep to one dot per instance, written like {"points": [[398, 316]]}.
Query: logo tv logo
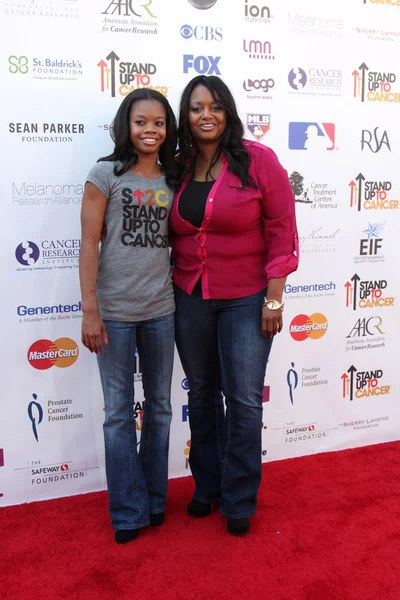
{"points": [[376, 86], [314, 327], [45, 354], [27, 253], [366, 294], [258, 84], [311, 136], [371, 195], [363, 384], [204, 65]]}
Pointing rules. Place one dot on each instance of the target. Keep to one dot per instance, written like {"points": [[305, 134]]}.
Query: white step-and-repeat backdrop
{"points": [[319, 82]]}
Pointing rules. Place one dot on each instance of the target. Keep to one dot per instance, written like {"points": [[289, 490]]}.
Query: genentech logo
{"points": [[303, 327], [371, 195], [367, 294], [45, 354], [363, 384], [374, 86]]}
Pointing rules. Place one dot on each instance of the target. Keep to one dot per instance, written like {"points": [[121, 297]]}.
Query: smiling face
{"points": [[148, 126], [207, 118]]}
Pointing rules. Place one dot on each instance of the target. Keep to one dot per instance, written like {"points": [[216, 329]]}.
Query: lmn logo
{"points": [[126, 8]]}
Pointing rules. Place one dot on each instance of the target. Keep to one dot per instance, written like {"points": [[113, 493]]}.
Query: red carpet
{"points": [[327, 528]]}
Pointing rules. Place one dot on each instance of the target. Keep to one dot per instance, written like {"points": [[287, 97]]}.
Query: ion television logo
{"points": [[45, 354]]}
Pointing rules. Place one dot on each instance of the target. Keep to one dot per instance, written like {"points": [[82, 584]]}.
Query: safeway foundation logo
{"points": [[367, 293], [258, 125], [45, 354], [363, 384], [122, 77], [133, 17], [374, 86], [371, 195], [313, 327]]}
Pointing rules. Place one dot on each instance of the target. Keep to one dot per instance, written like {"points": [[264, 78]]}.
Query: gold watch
{"points": [[272, 304]]}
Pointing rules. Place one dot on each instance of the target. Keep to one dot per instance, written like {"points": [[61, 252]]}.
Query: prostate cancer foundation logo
{"points": [[292, 379], [314, 327], [35, 414], [45, 354], [311, 136]]}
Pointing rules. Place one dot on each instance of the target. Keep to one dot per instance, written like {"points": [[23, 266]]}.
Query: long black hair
{"points": [[120, 134], [231, 143]]}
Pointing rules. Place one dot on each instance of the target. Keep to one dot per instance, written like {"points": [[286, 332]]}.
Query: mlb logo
{"points": [[258, 125], [311, 136]]}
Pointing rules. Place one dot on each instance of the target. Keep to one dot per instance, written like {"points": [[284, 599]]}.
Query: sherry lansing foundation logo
{"points": [[374, 86], [367, 293], [45, 354], [370, 247], [311, 327], [42, 133], [371, 195], [133, 17], [363, 384], [258, 125], [120, 77], [257, 49], [315, 81], [311, 136]]}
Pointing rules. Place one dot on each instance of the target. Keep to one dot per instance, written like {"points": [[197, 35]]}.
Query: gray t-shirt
{"points": [[134, 275]]}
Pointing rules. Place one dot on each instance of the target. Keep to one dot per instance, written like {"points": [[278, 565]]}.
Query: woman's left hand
{"points": [[272, 321]]}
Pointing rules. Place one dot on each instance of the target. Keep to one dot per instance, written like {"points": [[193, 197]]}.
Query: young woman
{"points": [[128, 303], [233, 234]]}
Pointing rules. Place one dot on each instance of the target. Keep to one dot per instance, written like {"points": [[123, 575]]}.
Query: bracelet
{"points": [[272, 304]]}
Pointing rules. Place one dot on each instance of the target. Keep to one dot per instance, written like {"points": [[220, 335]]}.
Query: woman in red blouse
{"points": [[234, 241]]}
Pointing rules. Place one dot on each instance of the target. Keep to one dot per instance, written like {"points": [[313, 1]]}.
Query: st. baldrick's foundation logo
{"points": [[363, 384]]}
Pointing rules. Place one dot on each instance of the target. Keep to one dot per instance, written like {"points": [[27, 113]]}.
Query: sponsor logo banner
{"points": [[311, 136], [258, 125], [371, 195], [311, 327], [363, 384], [367, 293], [61, 353]]}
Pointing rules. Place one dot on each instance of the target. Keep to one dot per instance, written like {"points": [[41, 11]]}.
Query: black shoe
{"points": [[157, 519], [198, 509], [122, 536], [238, 526]]}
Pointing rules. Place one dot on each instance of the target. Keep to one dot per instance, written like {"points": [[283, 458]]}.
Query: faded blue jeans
{"points": [[221, 346], [137, 481]]}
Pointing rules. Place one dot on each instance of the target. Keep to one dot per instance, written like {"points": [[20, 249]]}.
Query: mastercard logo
{"points": [[314, 327], [61, 353]]}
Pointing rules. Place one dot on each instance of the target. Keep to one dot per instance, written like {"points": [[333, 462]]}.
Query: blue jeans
{"points": [[137, 482], [221, 346]]}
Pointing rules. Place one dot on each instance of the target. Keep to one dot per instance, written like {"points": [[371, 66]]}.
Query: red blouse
{"points": [[247, 236]]}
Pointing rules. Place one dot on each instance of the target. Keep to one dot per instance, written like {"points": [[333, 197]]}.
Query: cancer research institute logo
{"points": [[363, 384], [374, 86], [258, 125], [313, 327], [292, 379], [122, 77], [311, 136], [35, 414], [371, 195], [45, 354], [315, 82], [27, 253], [367, 294]]}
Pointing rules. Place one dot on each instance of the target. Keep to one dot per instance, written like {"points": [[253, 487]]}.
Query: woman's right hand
{"points": [[93, 331]]}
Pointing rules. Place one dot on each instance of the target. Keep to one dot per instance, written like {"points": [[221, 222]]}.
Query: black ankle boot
{"points": [[157, 519], [238, 526], [122, 536], [198, 509]]}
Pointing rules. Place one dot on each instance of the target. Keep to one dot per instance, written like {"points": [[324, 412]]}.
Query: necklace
{"points": [[135, 168]]}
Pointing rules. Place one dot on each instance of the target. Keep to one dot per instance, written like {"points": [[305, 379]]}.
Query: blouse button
{"points": [[208, 218], [210, 200], [202, 262]]}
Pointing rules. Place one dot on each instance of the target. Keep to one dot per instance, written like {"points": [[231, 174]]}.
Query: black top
{"points": [[192, 202]]}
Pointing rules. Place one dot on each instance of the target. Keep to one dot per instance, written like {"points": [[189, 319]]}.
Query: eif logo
{"points": [[292, 380], [27, 253], [35, 414], [366, 293], [371, 195], [375, 86], [371, 245], [126, 8], [363, 384]]}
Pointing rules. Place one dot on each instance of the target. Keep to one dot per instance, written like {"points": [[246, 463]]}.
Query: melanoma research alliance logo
{"points": [[374, 86], [363, 384], [367, 293], [371, 194], [122, 77], [134, 17]]}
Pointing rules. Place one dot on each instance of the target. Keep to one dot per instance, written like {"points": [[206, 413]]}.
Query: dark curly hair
{"points": [[120, 134], [231, 143]]}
